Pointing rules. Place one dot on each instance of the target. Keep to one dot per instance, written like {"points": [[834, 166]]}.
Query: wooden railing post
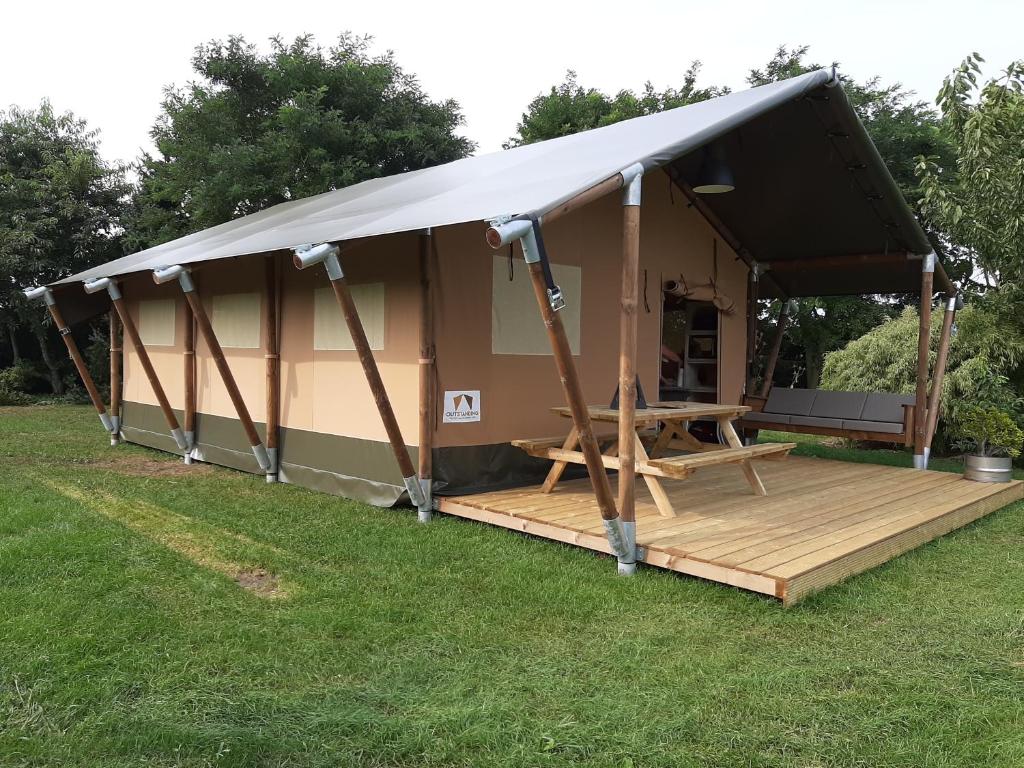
{"points": [[939, 373], [627, 366], [923, 344], [272, 354], [132, 334], [528, 233], [327, 254], [46, 295], [773, 353], [427, 394], [116, 364], [217, 353]]}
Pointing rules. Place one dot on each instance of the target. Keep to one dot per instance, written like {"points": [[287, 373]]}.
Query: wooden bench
{"points": [[875, 416], [679, 467]]}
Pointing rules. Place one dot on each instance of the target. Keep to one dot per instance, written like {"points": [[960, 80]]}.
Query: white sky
{"points": [[108, 61]]}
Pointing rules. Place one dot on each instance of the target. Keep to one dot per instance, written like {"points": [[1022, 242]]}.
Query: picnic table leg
{"points": [[661, 500], [667, 434], [559, 466], [746, 465]]}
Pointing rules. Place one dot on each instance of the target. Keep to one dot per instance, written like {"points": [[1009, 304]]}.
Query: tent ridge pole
{"points": [[327, 254], [217, 353]]}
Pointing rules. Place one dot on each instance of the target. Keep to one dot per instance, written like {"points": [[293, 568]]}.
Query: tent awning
{"points": [[809, 182]]}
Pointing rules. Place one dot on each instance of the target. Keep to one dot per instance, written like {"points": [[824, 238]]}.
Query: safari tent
{"points": [[390, 340]]}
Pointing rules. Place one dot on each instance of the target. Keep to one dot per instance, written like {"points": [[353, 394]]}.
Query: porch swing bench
{"points": [[875, 416]]}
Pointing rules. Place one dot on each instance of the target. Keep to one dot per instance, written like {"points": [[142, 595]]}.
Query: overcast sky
{"points": [[109, 61]]}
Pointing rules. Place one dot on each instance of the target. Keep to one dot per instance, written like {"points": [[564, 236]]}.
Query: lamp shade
{"points": [[715, 175]]}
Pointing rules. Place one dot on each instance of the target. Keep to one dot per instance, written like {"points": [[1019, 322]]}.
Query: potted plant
{"points": [[990, 441]]}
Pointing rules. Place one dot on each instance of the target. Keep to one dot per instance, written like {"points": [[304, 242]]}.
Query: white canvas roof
{"points": [[530, 179]]}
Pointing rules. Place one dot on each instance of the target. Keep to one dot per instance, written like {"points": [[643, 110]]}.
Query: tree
{"points": [[257, 130], [59, 212], [570, 108], [818, 327], [978, 196]]}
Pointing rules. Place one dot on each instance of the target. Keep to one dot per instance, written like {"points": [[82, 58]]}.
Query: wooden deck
{"points": [[822, 521]]}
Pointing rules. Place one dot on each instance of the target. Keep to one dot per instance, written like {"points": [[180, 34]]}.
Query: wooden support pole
{"points": [[190, 380], [528, 232], [923, 343], [574, 396], [627, 352], [132, 334], [327, 254], [427, 393], [271, 353], [76, 356], [116, 363], [773, 353], [939, 373], [373, 379], [217, 353]]}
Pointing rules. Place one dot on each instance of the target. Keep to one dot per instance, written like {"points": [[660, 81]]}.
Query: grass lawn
{"points": [[151, 616]]}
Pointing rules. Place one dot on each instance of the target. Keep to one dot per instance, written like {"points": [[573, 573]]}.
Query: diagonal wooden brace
{"points": [[46, 295], [132, 333], [327, 254], [202, 321]]}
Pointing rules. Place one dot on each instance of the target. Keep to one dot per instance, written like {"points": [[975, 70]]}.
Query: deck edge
{"points": [[876, 553]]}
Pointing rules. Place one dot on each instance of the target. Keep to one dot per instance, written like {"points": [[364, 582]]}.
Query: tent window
{"points": [[516, 327], [329, 329], [236, 320], [156, 322]]}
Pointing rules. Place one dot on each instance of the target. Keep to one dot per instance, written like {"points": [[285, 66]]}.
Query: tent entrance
{"points": [[690, 355]]}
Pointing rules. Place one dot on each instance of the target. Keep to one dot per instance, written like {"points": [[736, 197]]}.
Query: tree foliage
{"points": [[60, 206], [984, 365], [570, 108], [260, 129], [978, 196], [988, 431]]}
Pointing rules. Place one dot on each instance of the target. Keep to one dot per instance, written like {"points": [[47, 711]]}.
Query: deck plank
{"points": [[822, 521]]}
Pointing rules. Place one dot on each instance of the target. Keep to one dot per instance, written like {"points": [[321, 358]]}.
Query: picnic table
{"points": [[674, 418]]}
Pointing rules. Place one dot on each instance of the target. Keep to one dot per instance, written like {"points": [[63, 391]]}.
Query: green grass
{"points": [[126, 641]]}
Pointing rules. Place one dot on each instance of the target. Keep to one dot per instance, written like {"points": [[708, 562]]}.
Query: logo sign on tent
{"points": [[461, 405]]}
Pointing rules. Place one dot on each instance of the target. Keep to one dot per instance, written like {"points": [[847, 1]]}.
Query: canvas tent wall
{"points": [[488, 335], [810, 185]]}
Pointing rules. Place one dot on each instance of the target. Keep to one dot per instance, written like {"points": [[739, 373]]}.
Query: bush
{"points": [[16, 382], [988, 431], [984, 355]]}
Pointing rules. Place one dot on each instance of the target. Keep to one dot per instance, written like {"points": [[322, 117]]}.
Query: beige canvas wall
{"points": [[517, 391], [324, 390], [167, 359]]}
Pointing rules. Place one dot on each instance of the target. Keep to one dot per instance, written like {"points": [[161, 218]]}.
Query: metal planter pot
{"points": [[988, 469]]}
